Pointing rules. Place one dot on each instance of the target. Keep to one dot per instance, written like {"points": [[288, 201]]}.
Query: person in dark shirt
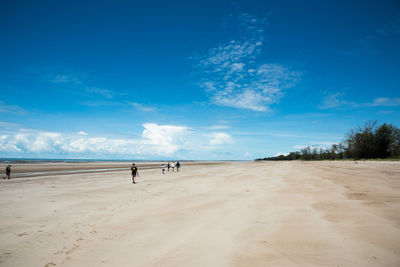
{"points": [[8, 172], [135, 172], [178, 165]]}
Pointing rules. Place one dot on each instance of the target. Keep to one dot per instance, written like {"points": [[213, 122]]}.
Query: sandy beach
{"points": [[226, 214]]}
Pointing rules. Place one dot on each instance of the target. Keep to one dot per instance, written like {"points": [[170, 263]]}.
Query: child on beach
{"points": [[178, 165], [169, 165], [163, 168], [135, 172]]}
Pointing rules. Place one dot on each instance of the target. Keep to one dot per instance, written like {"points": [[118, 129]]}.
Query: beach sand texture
{"points": [[227, 214]]}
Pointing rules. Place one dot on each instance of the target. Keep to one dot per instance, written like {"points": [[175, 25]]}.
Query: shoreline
{"points": [[27, 170]]}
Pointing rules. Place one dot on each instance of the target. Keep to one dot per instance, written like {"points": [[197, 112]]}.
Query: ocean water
{"points": [[47, 160]]}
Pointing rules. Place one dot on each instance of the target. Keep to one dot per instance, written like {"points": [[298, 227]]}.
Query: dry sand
{"points": [[230, 214]]}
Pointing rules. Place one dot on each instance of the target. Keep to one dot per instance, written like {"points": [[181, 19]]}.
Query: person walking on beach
{"points": [[8, 172], [173, 166], [178, 165], [163, 168], [135, 172], [169, 165]]}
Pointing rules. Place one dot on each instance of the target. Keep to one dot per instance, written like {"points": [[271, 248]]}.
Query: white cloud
{"points": [[7, 146], [26, 141], [158, 140], [247, 154], [281, 153], [82, 133], [164, 138], [234, 79], [299, 146], [218, 139], [249, 99]]}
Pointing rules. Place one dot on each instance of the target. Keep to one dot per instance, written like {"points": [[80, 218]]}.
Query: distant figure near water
{"points": [[169, 165], [135, 172], [178, 165], [163, 168], [8, 172]]}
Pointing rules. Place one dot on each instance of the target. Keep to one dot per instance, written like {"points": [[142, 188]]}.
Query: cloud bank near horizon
{"points": [[156, 141]]}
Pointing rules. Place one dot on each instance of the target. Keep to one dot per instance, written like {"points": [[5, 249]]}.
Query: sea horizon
{"points": [[73, 160]]}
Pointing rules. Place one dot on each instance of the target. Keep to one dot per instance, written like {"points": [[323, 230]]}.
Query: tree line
{"points": [[372, 141]]}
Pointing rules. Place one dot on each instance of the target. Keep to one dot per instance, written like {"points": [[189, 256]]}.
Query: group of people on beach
{"points": [[134, 169], [169, 165]]}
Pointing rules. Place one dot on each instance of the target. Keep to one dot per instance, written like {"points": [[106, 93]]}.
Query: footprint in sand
{"points": [[75, 247], [21, 234], [49, 264]]}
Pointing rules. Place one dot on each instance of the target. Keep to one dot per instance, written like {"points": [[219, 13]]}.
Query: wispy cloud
{"points": [[63, 79], [100, 91], [234, 77], [367, 44], [13, 109], [363, 45], [390, 29], [8, 125], [99, 103], [336, 100], [307, 115], [218, 127], [76, 81], [385, 102], [142, 107]]}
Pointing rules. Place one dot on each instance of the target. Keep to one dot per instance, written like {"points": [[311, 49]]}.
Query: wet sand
{"points": [[226, 214], [21, 170]]}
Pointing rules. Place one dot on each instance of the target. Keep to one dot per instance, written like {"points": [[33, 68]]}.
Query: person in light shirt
{"points": [[172, 165]]}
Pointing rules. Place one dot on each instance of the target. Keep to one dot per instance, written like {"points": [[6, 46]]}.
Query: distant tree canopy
{"points": [[369, 142]]}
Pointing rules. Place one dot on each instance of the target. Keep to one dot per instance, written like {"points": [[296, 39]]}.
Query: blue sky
{"points": [[193, 80]]}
